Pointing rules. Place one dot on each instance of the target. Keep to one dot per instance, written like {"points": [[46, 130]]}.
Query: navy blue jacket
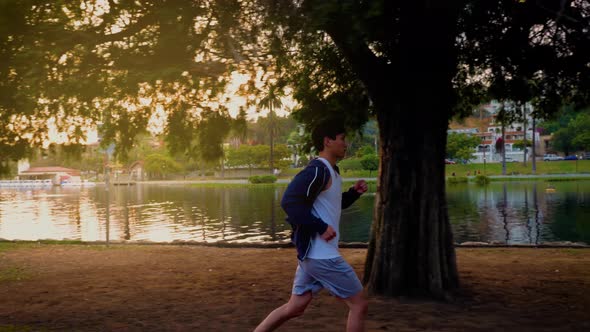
{"points": [[298, 202]]}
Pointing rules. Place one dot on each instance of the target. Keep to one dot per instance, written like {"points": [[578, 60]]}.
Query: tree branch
{"points": [[371, 70]]}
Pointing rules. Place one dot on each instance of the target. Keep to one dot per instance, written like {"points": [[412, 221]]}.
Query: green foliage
{"points": [[365, 150], [281, 156], [581, 125], [160, 165], [239, 126], [461, 146], [242, 156], [482, 179], [457, 179], [258, 132], [13, 273], [520, 144], [573, 136], [262, 179], [211, 133], [560, 119], [367, 136], [350, 164], [258, 156], [91, 71], [370, 162]]}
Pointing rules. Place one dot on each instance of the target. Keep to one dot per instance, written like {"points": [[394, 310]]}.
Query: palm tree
{"points": [[270, 102]]}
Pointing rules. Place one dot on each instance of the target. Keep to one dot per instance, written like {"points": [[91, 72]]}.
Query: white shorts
{"points": [[334, 274]]}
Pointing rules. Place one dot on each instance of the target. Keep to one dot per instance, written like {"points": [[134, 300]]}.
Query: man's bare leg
{"points": [[294, 308], [357, 311]]}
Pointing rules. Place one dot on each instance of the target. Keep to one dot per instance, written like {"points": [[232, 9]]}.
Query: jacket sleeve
{"points": [[301, 193], [349, 197]]}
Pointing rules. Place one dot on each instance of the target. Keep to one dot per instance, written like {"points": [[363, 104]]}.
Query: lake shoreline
{"points": [[515, 177], [286, 244]]}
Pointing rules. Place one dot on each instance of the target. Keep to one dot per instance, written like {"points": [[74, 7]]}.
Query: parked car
{"points": [[571, 157], [551, 157], [586, 155], [510, 160], [449, 161]]}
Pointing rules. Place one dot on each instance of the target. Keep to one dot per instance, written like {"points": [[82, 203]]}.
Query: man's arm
{"points": [[301, 193], [350, 196]]}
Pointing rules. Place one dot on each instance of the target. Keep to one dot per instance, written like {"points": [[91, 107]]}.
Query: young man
{"points": [[313, 202]]}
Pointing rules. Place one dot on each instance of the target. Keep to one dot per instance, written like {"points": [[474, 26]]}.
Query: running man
{"points": [[313, 202]]}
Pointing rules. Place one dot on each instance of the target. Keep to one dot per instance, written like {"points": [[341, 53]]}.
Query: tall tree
{"points": [[461, 146], [271, 101], [413, 64]]}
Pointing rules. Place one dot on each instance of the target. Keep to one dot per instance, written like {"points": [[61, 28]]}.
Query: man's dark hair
{"points": [[326, 128]]}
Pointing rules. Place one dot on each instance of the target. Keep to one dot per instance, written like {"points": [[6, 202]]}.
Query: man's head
{"points": [[329, 135]]}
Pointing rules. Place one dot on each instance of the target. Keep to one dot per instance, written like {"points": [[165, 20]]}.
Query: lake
{"points": [[502, 212]]}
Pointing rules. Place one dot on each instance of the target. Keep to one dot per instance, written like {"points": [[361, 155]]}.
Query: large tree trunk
{"points": [[411, 249]]}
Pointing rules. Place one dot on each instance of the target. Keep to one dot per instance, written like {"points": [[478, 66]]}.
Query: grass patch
{"points": [[6, 246], [543, 167], [560, 179], [574, 251], [13, 273]]}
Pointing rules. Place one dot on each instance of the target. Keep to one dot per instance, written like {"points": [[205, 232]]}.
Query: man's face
{"points": [[337, 147]]}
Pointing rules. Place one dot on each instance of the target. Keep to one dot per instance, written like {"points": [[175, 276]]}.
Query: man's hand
{"points": [[360, 186], [329, 234]]}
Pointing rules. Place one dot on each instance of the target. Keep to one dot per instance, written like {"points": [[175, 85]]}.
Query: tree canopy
{"points": [[461, 146], [120, 66], [574, 136]]}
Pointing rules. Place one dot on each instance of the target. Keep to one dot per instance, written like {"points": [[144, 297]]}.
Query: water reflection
{"points": [[513, 213], [503, 212]]}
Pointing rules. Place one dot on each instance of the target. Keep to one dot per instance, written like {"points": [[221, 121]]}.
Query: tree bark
{"points": [[411, 249]]}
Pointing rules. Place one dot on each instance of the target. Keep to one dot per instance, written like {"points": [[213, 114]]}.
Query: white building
{"points": [[514, 133]]}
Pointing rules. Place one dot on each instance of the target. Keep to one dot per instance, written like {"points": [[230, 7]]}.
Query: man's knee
{"points": [[295, 311], [361, 306], [296, 306], [358, 303]]}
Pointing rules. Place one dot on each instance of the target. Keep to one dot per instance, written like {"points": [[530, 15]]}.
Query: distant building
{"points": [[489, 132], [137, 171], [56, 174]]}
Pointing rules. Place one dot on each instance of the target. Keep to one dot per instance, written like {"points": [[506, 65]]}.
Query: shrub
{"points": [[482, 179], [457, 179], [350, 164], [262, 179], [370, 162]]}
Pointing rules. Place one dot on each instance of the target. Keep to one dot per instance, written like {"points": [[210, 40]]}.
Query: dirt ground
{"points": [[193, 288]]}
